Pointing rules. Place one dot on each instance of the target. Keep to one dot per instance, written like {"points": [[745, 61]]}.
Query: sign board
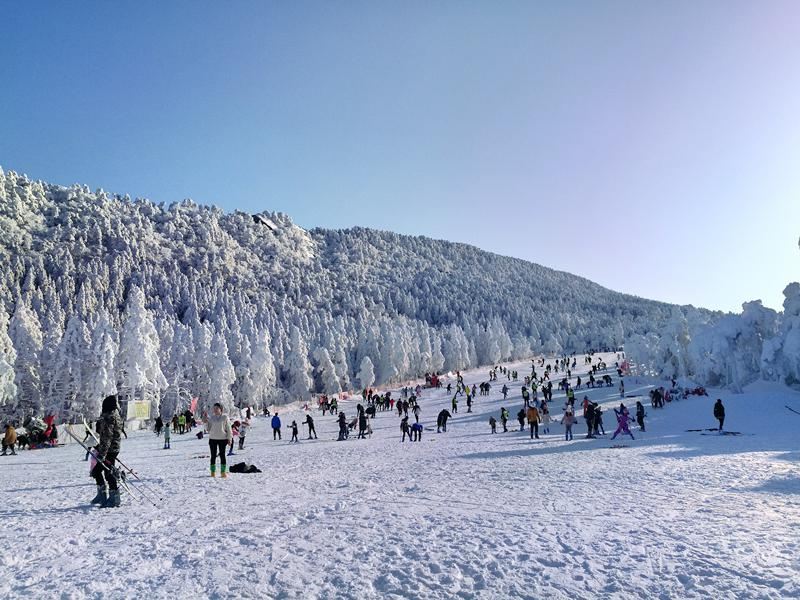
{"points": [[141, 410]]}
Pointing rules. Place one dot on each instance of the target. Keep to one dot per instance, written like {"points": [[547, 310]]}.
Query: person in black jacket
{"points": [[441, 420], [109, 428], [342, 426], [310, 422], [719, 413]]}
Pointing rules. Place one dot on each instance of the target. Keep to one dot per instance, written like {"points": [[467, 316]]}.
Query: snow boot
{"points": [[224, 473], [213, 470], [101, 496], [113, 500]]}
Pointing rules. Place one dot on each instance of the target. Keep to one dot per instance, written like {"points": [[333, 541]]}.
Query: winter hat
{"points": [[110, 404]]}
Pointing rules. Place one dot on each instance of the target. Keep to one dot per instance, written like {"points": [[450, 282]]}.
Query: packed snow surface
{"points": [[462, 514]]}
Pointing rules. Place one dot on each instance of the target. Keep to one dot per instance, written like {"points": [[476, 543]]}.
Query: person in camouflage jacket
{"points": [[109, 428]]}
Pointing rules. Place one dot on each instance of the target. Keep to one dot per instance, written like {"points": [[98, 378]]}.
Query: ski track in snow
{"points": [[462, 514]]}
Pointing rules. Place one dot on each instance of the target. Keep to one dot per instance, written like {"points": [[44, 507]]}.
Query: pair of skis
{"points": [[141, 492]]}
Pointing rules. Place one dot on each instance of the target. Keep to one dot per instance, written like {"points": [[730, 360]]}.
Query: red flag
{"points": [[193, 405]]}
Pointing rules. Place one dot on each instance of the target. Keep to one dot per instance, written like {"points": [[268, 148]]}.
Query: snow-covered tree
{"points": [[298, 367], [329, 382], [8, 356], [222, 374], [26, 336], [138, 366], [366, 372]]}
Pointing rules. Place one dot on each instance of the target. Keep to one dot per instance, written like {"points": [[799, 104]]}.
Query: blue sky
{"points": [[651, 147]]}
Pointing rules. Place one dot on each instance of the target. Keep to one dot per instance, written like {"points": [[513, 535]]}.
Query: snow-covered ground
{"points": [[467, 514]]}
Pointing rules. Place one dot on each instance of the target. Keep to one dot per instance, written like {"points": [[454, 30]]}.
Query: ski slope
{"points": [[462, 514]]}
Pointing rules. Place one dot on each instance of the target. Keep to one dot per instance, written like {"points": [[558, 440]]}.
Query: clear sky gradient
{"points": [[651, 147]]}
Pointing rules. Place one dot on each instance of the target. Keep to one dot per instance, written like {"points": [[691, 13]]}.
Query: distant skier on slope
{"points": [[719, 413]]}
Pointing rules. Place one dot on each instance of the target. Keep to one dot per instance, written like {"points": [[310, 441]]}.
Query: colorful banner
{"points": [[193, 405]]}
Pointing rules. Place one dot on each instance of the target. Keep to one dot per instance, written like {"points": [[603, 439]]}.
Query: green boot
{"points": [[214, 470], [224, 471]]}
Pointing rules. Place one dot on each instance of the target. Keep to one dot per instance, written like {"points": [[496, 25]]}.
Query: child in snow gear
{"points": [[545, 414], [719, 413], [10, 439], [294, 433], [244, 427], [343, 433], [493, 424], [521, 418], [276, 427], [623, 419], [109, 428], [640, 414], [310, 422], [219, 436], [504, 418], [166, 437], [234, 434]]}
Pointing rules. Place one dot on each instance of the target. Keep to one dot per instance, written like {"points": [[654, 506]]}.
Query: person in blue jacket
{"points": [[276, 427]]}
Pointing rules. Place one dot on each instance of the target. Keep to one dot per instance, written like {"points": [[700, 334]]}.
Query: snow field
{"points": [[464, 514]]}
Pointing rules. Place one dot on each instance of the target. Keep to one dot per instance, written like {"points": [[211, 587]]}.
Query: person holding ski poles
{"points": [[109, 428], [623, 418], [219, 436]]}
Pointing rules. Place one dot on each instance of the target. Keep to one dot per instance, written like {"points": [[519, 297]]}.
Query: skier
{"points": [[719, 413], [640, 414], [623, 418], [504, 418], [311, 430], [294, 433], [276, 427], [441, 420], [109, 428], [493, 424], [504, 389], [219, 436], [533, 421], [10, 439]]}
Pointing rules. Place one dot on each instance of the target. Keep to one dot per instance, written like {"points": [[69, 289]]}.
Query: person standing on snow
{"points": [[276, 427], [219, 436], [504, 418], [405, 429], [623, 419], [10, 439], [342, 427], [640, 414], [719, 413], [533, 421], [521, 418], [244, 427], [294, 433], [568, 421], [109, 428], [310, 422]]}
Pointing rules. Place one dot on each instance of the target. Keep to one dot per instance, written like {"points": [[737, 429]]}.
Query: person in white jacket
{"points": [[243, 429], [219, 436]]}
